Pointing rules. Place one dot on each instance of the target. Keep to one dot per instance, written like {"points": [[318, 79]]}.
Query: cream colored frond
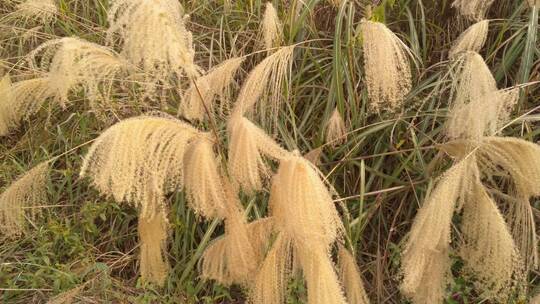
{"points": [[153, 242], [489, 252], [518, 162], [139, 160], [74, 62], [44, 11], [350, 277], [213, 84], [28, 97], [271, 281], [473, 39], [28, 191], [473, 9], [228, 251], [203, 183], [161, 56], [301, 204], [322, 282], [267, 76], [247, 145], [387, 67], [425, 259], [8, 116], [271, 27], [482, 116], [335, 129]]}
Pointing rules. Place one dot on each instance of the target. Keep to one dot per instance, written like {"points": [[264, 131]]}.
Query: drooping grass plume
{"points": [[24, 98], [43, 11], [271, 27], [73, 62], [140, 160], [247, 146], [217, 262], [520, 160], [482, 116], [307, 223], [387, 67], [349, 275], [19, 199], [473, 39], [7, 111], [474, 10], [489, 252], [425, 259], [169, 54], [336, 129], [213, 84], [153, 239], [267, 76], [203, 180], [474, 86]]}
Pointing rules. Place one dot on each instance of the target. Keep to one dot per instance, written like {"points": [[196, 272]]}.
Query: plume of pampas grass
{"points": [[521, 162], [473, 9], [153, 239], [489, 252], [301, 204], [24, 98], [307, 223], [7, 112], [208, 86], [425, 260], [139, 160], [161, 56], [267, 76], [270, 282], [203, 181], [483, 116], [28, 190], [246, 146], [388, 73], [219, 258], [474, 84], [335, 129], [44, 11], [473, 39], [271, 27], [73, 62], [349, 275]]}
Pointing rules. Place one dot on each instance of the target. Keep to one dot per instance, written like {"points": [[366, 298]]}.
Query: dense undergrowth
{"points": [[383, 170]]}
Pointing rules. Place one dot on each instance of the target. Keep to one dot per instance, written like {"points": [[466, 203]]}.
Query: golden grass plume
{"points": [[474, 10], [153, 240], [139, 160], [213, 84], [8, 120], [271, 27], [267, 76], [161, 56], [387, 67], [73, 62], [43, 11], [26, 192], [350, 277], [336, 130], [247, 145], [473, 39]]}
